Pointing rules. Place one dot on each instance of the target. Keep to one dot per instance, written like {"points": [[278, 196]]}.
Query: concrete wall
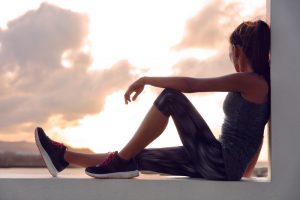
{"points": [[285, 65], [285, 143]]}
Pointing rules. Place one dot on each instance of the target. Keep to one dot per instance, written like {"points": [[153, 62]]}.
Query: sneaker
{"points": [[114, 167], [52, 152]]}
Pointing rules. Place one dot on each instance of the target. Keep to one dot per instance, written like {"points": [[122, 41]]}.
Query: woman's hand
{"points": [[137, 87]]}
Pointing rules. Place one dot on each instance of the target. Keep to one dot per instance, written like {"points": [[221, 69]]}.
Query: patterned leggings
{"points": [[201, 153]]}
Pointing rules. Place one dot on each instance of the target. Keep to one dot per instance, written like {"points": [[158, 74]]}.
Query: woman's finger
{"points": [[127, 97], [135, 96]]}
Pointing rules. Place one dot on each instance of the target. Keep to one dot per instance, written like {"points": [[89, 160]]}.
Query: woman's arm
{"points": [[251, 166], [233, 82]]}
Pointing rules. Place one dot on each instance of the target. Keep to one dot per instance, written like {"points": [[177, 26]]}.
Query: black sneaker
{"points": [[51, 151], [114, 167]]}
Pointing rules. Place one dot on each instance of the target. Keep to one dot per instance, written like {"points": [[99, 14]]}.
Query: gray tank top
{"points": [[242, 132]]}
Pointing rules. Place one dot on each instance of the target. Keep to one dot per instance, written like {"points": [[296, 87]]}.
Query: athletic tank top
{"points": [[242, 132]]}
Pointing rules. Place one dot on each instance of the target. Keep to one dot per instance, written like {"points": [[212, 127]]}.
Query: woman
{"points": [[246, 108]]}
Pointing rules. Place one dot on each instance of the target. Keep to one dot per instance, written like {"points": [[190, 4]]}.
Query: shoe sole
{"points": [[51, 168], [116, 175]]}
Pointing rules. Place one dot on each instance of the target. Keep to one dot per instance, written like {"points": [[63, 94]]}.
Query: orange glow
{"points": [[144, 33]]}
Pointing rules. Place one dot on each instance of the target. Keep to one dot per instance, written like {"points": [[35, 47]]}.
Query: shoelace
{"points": [[109, 158], [56, 144]]}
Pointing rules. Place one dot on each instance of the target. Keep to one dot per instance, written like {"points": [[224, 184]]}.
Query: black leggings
{"points": [[201, 153]]}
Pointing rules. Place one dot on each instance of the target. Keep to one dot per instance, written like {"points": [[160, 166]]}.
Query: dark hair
{"points": [[254, 39]]}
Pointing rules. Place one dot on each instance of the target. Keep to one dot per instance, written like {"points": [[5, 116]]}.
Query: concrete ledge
{"points": [[73, 184], [78, 173], [81, 189]]}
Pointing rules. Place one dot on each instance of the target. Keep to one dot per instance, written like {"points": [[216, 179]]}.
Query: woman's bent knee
{"points": [[168, 98]]}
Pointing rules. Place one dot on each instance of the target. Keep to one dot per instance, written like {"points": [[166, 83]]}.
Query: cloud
{"points": [[35, 86], [214, 66], [211, 27]]}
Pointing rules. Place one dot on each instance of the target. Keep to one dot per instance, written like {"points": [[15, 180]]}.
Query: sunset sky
{"points": [[65, 65]]}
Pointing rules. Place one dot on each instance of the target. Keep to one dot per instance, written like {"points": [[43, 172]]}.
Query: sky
{"points": [[65, 65]]}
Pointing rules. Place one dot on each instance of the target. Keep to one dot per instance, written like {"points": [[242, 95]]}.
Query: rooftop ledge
{"points": [[78, 173], [37, 184]]}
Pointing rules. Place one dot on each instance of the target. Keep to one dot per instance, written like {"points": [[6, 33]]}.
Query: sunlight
{"points": [[132, 31], [115, 125], [145, 34], [65, 61], [111, 128]]}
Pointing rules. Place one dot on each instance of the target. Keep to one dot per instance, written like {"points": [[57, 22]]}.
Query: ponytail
{"points": [[254, 38]]}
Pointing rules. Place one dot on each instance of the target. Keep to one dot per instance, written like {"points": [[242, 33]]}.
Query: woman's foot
{"points": [[51, 151], [114, 167]]}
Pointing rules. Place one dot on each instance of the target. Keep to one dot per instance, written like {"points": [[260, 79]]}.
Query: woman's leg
{"points": [[201, 155], [167, 160], [152, 126], [201, 147], [83, 159]]}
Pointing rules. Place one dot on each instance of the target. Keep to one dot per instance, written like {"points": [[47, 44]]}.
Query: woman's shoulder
{"points": [[258, 90], [247, 81]]}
